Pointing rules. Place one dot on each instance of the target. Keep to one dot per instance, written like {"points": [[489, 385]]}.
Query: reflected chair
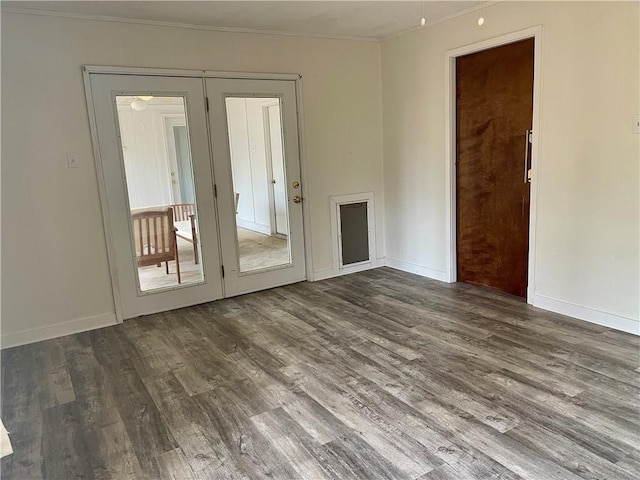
{"points": [[185, 222], [155, 238]]}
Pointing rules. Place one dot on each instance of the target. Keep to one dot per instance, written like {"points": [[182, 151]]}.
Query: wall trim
{"points": [[304, 179], [102, 190], [555, 305], [592, 315], [190, 26], [32, 335], [421, 270], [338, 272]]}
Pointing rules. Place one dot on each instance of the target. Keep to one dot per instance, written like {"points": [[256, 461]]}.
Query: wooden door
{"points": [[494, 108]]}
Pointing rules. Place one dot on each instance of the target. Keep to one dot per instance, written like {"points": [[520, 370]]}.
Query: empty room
{"points": [[320, 240]]}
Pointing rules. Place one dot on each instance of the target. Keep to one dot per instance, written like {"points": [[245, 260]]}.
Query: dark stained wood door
{"points": [[494, 109]]}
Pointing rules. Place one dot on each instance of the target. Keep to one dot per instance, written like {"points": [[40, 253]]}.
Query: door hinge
{"points": [[207, 102], [222, 268], [215, 190]]}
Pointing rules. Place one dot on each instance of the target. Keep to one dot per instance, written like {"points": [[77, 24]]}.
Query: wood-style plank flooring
{"points": [[379, 374]]}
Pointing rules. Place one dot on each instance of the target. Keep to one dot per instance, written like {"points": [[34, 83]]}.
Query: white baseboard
{"points": [[417, 269], [580, 312], [256, 227], [58, 330], [337, 272]]}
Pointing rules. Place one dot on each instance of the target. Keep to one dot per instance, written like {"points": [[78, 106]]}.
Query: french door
{"points": [[254, 132], [161, 219], [183, 229]]}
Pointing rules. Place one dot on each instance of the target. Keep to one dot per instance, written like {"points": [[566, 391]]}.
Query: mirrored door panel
{"points": [[254, 131], [158, 190], [159, 178], [257, 165]]}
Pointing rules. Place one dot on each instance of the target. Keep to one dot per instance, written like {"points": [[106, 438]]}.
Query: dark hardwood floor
{"points": [[379, 374]]}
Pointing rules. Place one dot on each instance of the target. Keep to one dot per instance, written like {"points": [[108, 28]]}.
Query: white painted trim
{"points": [[169, 121], [336, 250], [253, 290], [332, 272], [121, 70], [172, 72], [102, 189], [268, 154], [450, 146], [251, 75], [421, 270], [304, 181], [32, 335], [592, 315], [191, 26]]}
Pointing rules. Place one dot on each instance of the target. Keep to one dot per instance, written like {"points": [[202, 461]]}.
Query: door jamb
{"points": [[450, 144], [102, 189]]}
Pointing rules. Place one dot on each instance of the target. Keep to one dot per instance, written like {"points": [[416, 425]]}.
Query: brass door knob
{"points": [[297, 199]]}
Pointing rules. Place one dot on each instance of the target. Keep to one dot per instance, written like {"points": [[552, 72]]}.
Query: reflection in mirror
{"points": [[259, 182], [159, 175]]}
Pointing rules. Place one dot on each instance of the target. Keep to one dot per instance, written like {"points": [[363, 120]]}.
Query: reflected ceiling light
{"points": [[423, 20], [140, 103], [481, 21]]}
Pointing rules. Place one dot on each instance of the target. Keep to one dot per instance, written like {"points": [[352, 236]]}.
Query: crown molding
{"points": [[190, 26]]}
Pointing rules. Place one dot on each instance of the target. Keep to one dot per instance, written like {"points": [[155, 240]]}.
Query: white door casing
{"points": [[276, 164]]}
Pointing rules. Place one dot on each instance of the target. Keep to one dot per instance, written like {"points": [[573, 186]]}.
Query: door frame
{"points": [[450, 144], [169, 121], [273, 218], [88, 70]]}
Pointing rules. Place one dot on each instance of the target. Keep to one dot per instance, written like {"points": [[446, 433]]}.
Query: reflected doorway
{"points": [[159, 180], [254, 132], [259, 182]]}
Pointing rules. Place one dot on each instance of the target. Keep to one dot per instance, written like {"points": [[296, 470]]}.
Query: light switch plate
{"points": [[636, 124], [72, 160]]}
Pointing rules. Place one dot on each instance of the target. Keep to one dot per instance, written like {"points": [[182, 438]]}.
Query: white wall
{"points": [[54, 267], [587, 241], [587, 230]]}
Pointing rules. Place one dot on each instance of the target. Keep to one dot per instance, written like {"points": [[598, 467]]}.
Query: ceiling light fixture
{"points": [[481, 18], [423, 21]]}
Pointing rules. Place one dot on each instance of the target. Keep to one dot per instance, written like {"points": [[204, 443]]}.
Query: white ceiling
{"points": [[362, 19]]}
